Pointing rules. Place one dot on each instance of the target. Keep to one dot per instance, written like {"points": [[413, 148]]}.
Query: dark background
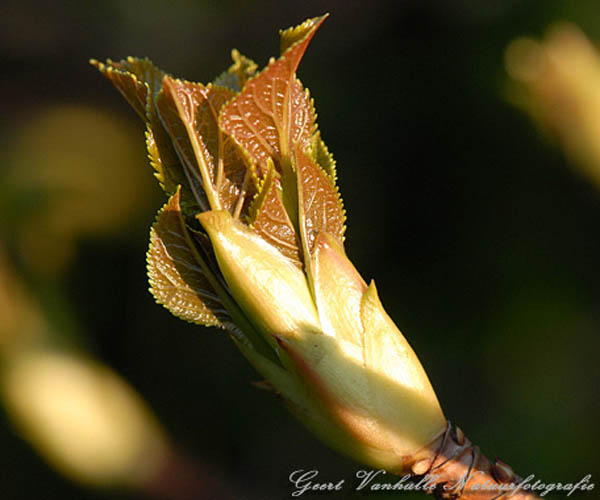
{"points": [[482, 239]]}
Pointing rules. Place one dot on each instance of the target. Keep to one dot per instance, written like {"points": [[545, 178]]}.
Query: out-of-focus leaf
{"points": [[270, 220], [273, 111], [320, 207], [238, 73], [22, 322], [212, 159], [177, 281]]}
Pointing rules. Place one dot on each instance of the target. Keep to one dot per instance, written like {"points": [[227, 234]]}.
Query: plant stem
{"points": [[459, 471]]}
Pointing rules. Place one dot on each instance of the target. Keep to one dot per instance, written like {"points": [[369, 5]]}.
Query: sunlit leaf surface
{"points": [[320, 207], [177, 281], [273, 111], [271, 221], [248, 144]]}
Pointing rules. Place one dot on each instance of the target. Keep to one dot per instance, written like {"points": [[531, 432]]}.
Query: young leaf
{"points": [[176, 279], [321, 155], [270, 220], [320, 207], [145, 71], [238, 73], [167, 168], [137, 79], [290, 36], [190, 113], [273, 111], [176, 130]]}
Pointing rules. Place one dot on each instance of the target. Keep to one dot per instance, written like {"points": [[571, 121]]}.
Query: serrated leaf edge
{"points": [[210, 322]]}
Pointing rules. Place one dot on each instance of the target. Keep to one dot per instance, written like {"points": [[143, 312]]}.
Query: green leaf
{"points": [[238, 73], [167, 169], [273, 111], [177, 281]]}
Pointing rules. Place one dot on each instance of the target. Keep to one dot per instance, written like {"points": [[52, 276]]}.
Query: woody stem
{"points": [[459, 471]]}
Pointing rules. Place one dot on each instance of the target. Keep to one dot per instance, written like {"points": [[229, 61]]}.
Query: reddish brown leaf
{"points": [[213, 163], [320, 207], [273, 111], [270, 220]]}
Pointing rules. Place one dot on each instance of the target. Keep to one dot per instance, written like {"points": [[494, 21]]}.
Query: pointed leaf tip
{"points": [[273, 111], [292, 35], [138, 80]]}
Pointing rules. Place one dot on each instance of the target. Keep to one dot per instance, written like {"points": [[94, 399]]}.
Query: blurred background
{"points": [[466, 135]]}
